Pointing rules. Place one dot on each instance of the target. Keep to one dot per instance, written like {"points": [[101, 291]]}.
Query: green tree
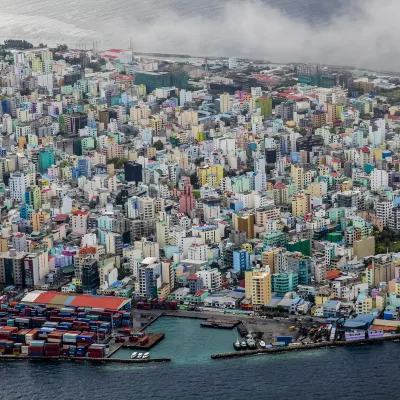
{"points": [[159, 145], [398, 329]]}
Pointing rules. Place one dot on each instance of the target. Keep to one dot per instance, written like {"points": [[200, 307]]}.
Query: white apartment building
{"points": [[17, 186]]}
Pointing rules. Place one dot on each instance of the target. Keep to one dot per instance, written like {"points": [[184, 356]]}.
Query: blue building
{"points": [[241, 260], [84, 167]]}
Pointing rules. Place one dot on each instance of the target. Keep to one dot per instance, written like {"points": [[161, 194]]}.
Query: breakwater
{"points": [[303, 347], [84, 360]]}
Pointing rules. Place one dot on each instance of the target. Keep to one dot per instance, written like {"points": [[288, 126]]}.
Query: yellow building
{"points": [[269, 258], [39, 218], [211, 175], [258, 287], [163, 291], [300, 205], [315, 189], [297, 173], [346, 185], [37, 65], [156, 123]]}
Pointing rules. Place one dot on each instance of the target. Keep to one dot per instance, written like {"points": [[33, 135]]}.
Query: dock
{"points": [[218, 324], [154, 338], [242, 329], [303, 347], [84, 360]]}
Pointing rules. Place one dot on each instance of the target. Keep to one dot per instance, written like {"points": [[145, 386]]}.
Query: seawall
{"points": [[84, 360], [303, 347]]}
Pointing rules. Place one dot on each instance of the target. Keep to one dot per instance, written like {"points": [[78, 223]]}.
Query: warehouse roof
{"points": [[60, 299]]}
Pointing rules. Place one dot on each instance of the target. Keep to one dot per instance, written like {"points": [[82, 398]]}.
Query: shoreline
{"points": [[84, 359], [303, 347]]}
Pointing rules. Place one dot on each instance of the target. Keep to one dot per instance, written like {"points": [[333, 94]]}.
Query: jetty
{"points": [[303, 347], [154, 338], [218, 324]]}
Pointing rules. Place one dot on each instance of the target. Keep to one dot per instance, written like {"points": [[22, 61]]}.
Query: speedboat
{"points": [[243, 345], [146, 355], [133, 355], [262, 343], [236, 345], [251, 343], [140, 355]]}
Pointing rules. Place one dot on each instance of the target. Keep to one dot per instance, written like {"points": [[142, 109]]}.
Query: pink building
{"points": [[187, 201]]}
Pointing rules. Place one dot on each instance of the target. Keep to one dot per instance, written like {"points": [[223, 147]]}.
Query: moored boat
{"points": [[236, 345]]}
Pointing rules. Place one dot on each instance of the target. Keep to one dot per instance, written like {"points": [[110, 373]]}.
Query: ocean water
{"points": [[156, 25], [365, 372]]}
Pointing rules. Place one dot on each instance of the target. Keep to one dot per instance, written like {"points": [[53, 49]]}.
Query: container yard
{"points": [[69, 332]]}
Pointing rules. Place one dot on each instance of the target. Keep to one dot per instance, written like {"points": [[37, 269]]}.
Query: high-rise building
{"points": [[12, 270], [301, 265], [258, 286], [75, 122], [379, 179], [284, 282], [46, 159], [265, 105], [225, 103], [17, 186], [133, 172]]}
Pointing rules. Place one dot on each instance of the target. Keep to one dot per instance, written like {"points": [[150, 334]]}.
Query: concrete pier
{"points": [[303, 347]]}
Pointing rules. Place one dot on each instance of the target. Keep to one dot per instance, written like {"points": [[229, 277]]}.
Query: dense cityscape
{"points": [[235, 191]]}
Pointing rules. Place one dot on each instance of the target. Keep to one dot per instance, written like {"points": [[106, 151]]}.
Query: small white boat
{"points": [[146, 355], [133, 355], [262, 343], [140, 355]]}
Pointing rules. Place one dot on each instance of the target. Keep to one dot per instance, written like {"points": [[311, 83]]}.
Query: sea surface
{"points": [[365, 372], [154, 25]]}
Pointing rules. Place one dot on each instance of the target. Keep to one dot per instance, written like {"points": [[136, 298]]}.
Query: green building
{"points": [[265, 103], [334, 237], [46, 160], [303, 246], [154, 80], [325, 81], [275, 239], [284, 282]]}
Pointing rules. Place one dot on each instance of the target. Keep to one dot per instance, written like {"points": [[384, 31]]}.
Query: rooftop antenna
{"points": [[207, 84]]}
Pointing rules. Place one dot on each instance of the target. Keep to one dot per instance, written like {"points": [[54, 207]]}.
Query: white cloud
{"points": [[363, 34]]}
